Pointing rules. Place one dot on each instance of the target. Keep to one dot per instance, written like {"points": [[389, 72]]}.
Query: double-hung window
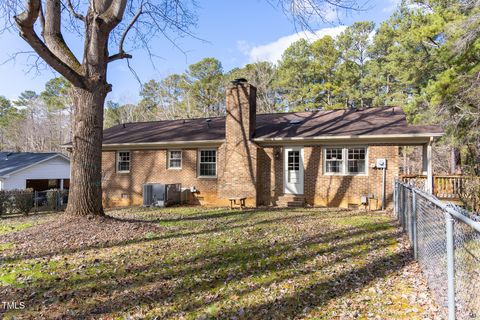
{"points": [[345, 161], [334, 160], [356, 160], [123, 161], [207, 164], [174, 159]]}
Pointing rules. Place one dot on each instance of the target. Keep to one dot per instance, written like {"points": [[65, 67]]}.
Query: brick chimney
{"points": [[238, 176], [241, 110]]}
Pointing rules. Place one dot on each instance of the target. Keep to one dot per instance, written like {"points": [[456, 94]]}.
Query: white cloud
{"points": [[273, 51]]}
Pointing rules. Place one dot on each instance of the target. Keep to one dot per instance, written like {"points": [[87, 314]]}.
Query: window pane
{"points": [[124, 156], [356, 154], [123, 166], [333, 166], [333, 154], [207, 169], [208, 156], [356, 160], [123, 161], [175, 159], [175, 163], [208, 163], [294, 160], [334, 160], [175, 154]]}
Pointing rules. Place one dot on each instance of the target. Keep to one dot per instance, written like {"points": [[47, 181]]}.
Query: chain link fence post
{"points": [[450, 265], [414, 224], [395, 198], [60, 199], [35, 198], [404, 211]]}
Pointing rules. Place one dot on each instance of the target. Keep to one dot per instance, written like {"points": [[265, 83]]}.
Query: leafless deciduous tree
{"points": [[103, 24]]}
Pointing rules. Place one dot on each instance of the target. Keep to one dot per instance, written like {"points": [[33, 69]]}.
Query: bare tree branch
{"points": [[121, 53], [113, 15], [41, 16], [53, 35], [305, 14], [25, 22], [73, 12]]}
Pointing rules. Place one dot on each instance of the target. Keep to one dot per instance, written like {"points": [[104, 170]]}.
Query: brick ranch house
{"points": [[320, 158]]}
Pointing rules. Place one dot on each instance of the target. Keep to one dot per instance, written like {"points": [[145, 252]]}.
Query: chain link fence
{"points": [[50, 200], [26, 201], [446, 242]]}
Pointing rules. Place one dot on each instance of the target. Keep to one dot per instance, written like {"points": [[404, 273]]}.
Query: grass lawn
{"points": [[194, 263]]}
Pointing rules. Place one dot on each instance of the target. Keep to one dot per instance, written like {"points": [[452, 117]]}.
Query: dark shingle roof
{"points": [[373, 121], [13, 161], [166, 130]]}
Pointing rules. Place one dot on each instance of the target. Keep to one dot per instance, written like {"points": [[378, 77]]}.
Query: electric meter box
{"points": [[381, 164]]}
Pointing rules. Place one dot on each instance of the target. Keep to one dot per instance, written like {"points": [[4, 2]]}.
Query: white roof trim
{"points": [[362, 137], [166, 144], [398, 139], [382, 138], [36, 163]]}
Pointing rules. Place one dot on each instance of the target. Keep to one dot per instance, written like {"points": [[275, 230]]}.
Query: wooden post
{"points": [[424, 159], [427, 165]]}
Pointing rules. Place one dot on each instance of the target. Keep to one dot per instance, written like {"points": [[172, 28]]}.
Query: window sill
{"points": [[174, 168], [346, 174], [207, 177], [123, 172]]}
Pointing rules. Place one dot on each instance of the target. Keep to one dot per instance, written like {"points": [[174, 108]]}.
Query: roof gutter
{"points": [[407, 139], [410, 138]]}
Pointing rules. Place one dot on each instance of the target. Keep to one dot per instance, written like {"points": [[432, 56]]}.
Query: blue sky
{"points": [[236, 33]]}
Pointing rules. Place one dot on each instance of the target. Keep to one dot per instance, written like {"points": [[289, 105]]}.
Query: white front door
{"points": [[293, 170]]}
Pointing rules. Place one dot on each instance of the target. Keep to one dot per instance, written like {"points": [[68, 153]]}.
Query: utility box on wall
{"points": [[381, 164]]}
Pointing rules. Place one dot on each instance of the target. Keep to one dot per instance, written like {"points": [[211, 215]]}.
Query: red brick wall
{"points": [[328, 190], [150, 166], [320, 190], [270, 175], [238, 174]]}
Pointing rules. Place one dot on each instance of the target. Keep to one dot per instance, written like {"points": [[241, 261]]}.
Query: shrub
{"points": [[23, 200], [5, 202], [470, 194]]}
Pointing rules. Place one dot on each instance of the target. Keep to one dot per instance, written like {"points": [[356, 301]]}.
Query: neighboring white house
{"points": [[39, 171]]}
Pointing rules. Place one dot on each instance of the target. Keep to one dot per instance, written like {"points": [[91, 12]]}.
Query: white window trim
{"points": [[168, 159], [198, 164], [344, 161], [117, 157]]}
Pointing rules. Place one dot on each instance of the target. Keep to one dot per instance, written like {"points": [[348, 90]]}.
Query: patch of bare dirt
{"points": [[74, 233]]}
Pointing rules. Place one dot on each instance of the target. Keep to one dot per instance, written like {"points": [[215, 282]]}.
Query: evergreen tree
{"points": [[261, 75], [206, 86], [353, 46]]}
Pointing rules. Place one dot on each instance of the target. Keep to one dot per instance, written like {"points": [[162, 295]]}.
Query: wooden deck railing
{"points": [[444, 186]]}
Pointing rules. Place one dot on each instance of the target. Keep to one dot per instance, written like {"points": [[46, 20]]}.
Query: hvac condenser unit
{"points": [[154, 194], [161, 195]]}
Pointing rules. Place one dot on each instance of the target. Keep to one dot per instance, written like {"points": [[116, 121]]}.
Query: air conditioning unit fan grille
{"points": [[160, 195]]}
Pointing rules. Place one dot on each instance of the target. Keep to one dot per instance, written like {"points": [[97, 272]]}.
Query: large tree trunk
{"points": [[85, 196], [89, 79]]}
